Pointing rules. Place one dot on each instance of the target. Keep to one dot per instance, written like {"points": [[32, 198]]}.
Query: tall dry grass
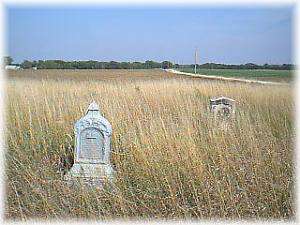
{"points": [[171, 159]]}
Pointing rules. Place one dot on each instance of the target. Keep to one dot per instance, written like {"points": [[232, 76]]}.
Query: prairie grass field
{"points": [[173, 160], [257, 74]]}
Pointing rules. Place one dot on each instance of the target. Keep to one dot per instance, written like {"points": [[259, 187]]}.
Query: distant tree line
{"points": [[91, 64], [242, 66], [149, 64]]}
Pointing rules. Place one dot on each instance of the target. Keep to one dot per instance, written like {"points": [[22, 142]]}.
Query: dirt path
{"points": [[225, 78]]}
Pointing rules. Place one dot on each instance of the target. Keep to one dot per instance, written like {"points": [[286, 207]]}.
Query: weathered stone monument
{"points": [[222, 107], [92, 149]]}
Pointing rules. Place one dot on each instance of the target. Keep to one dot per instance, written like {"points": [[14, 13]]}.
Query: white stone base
{"points": [[90, 174]]}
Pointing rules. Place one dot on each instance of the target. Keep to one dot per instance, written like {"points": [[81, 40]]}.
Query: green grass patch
{"points": [[287, 74]]}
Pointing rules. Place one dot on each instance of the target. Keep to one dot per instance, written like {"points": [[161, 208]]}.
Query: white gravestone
{"points": [[92, 149], [222, 107]]}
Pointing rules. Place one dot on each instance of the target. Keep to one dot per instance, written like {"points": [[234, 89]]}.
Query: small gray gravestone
{"points": [[92, 149], [222, 107]]}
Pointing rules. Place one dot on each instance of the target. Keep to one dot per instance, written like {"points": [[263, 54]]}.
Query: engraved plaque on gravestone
{"points": [[92, 149], [91, 144]]}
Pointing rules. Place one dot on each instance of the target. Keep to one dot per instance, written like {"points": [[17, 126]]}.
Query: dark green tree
{"points": [[166, 65], [26, 64], [7, 60]]}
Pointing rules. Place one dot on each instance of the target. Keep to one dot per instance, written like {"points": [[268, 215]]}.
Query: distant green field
{"points": [[282, 75]]}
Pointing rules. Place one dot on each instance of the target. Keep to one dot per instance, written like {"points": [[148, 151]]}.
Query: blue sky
{"points": [[231, 35]]}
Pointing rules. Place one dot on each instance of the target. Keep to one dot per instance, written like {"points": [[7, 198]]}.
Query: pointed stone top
{"points": [[93, 107], [221, 98]]}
